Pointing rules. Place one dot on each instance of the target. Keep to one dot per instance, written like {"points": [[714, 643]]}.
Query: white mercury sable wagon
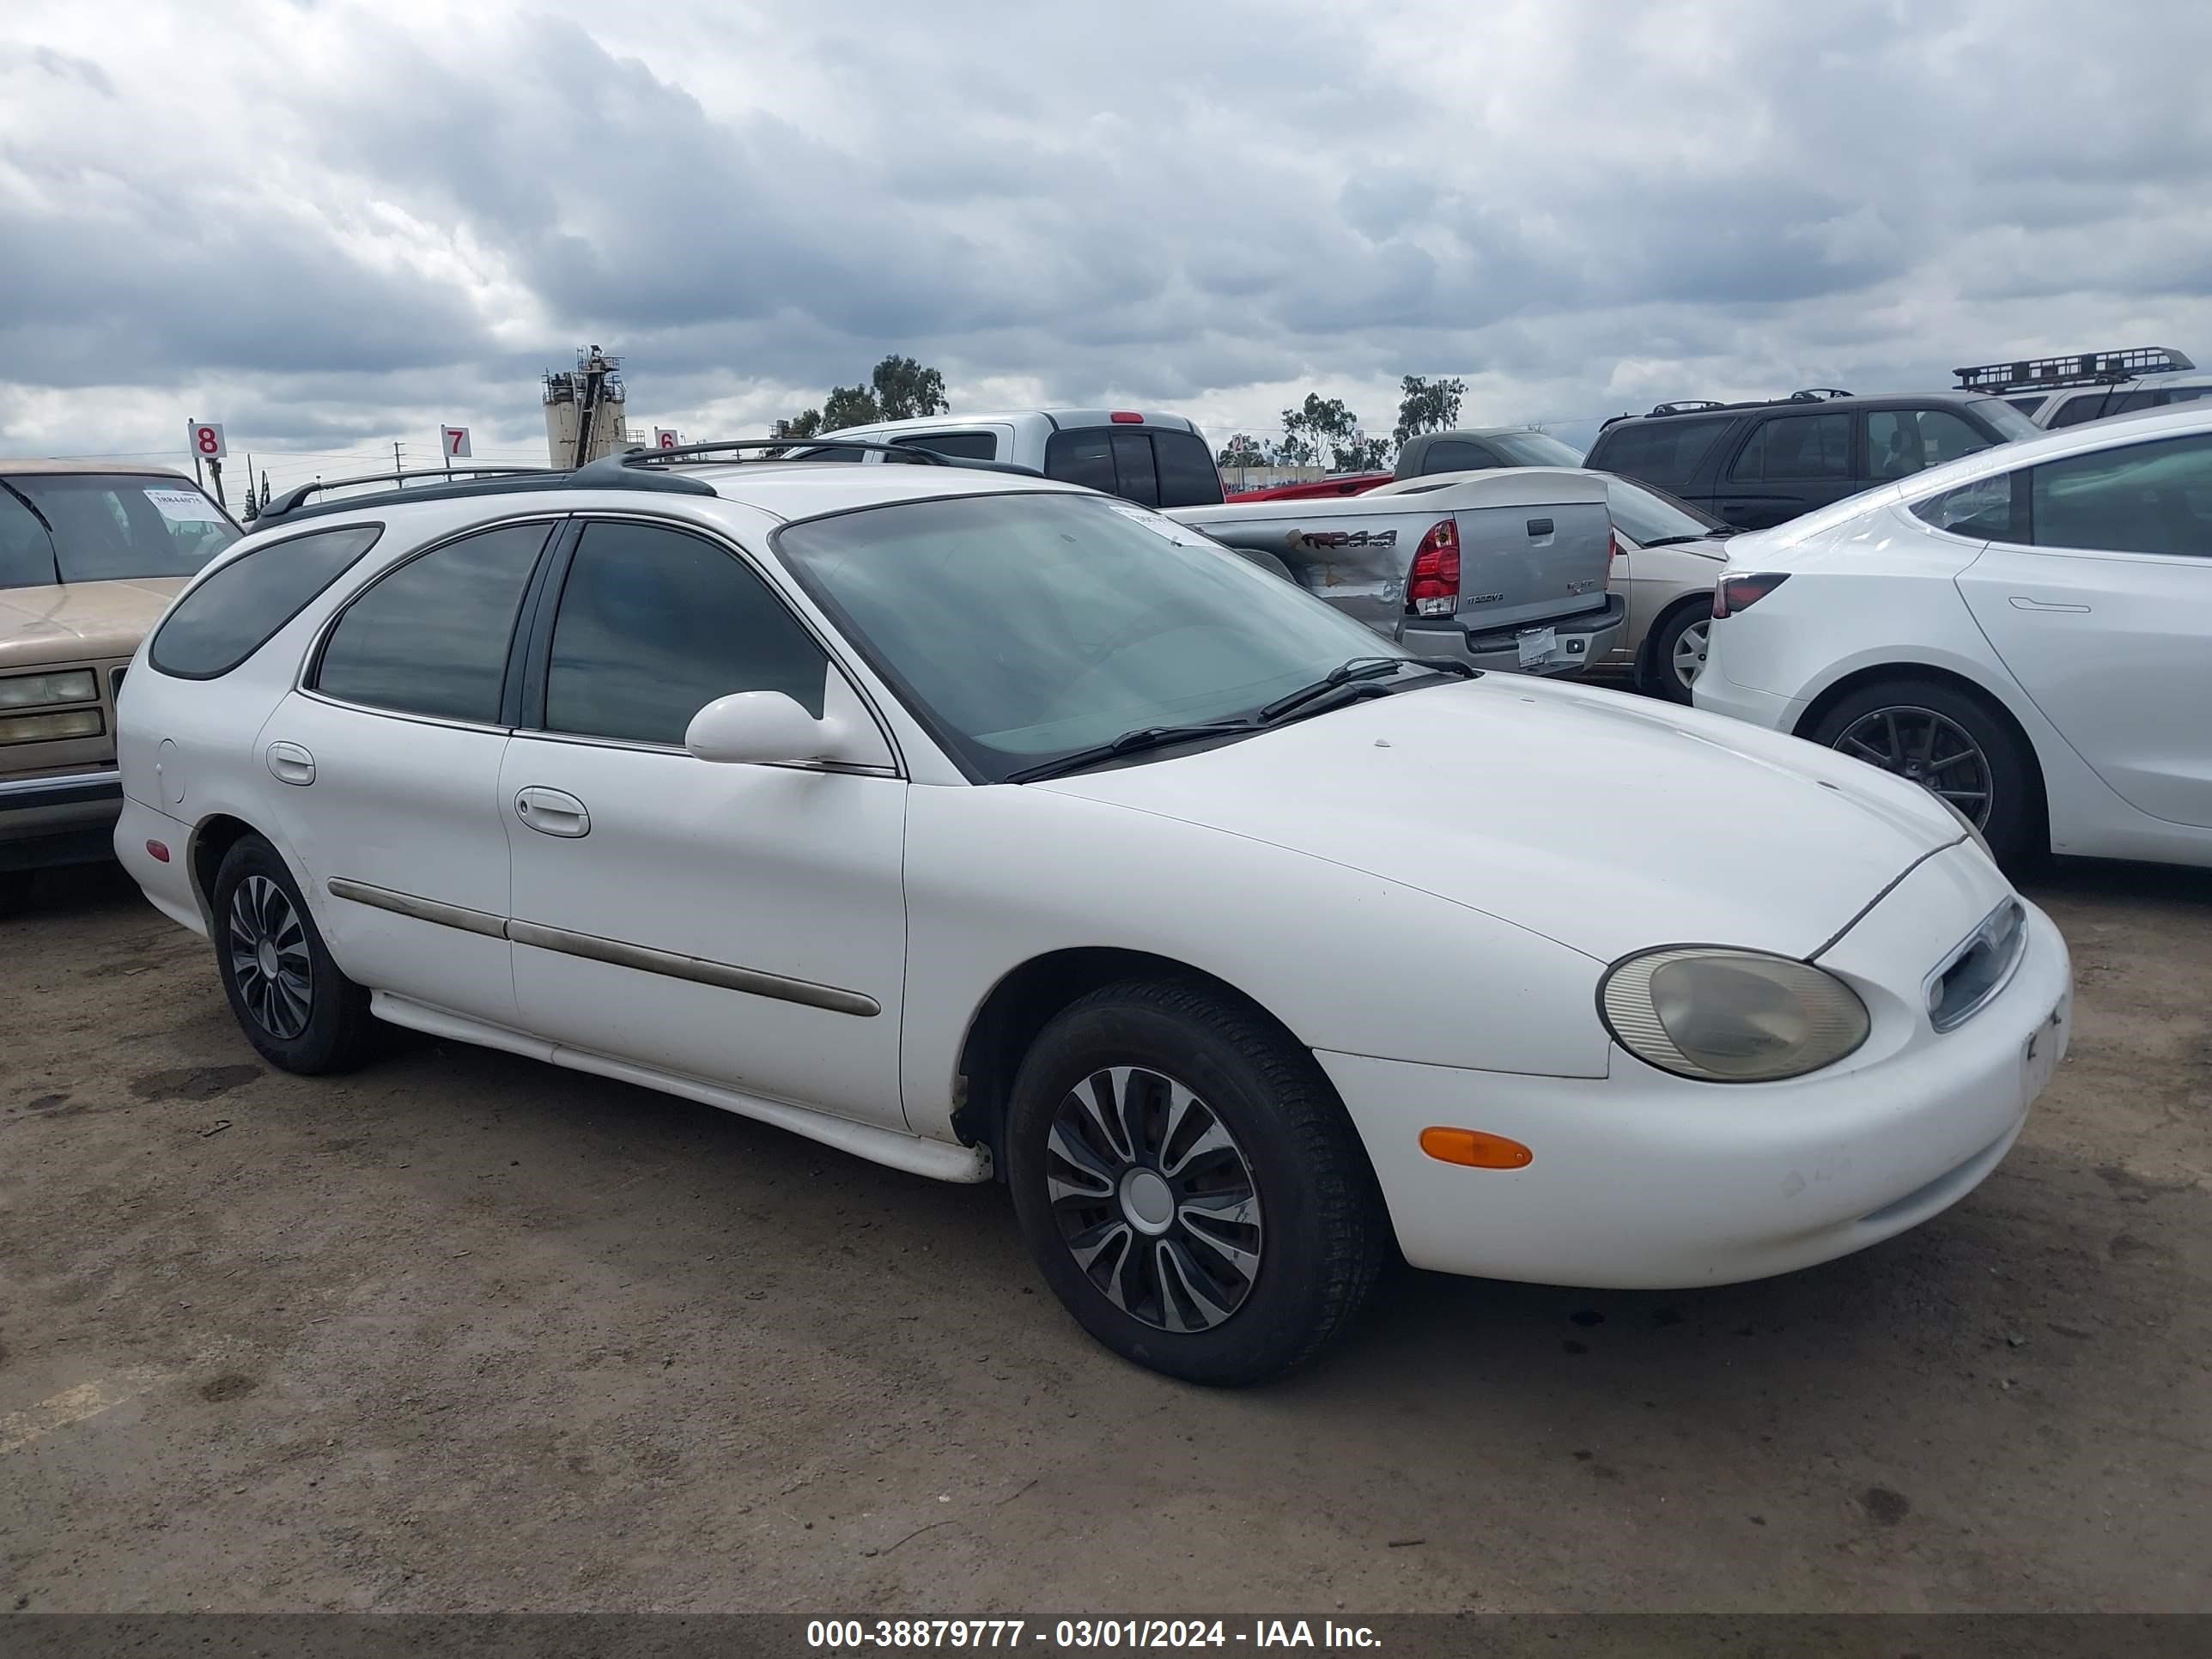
{"points": [[991, 827]]}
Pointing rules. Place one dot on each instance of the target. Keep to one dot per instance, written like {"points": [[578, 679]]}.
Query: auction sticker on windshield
{"points": [[183, 506], [1181, 535]]}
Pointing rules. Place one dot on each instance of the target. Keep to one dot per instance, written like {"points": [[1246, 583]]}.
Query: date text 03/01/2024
{"points": [[1084, 1633]]}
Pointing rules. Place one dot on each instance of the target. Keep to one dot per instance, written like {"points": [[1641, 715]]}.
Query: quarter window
{"points": [[431, 637], [2143, 498], [1797, 448], [1981, 511], [241, 604], [655, 624]]}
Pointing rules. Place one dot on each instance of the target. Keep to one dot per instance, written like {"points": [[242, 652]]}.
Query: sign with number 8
{"points": [[206, 441]]}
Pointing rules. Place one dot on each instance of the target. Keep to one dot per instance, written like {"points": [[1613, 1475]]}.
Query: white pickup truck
{"points": [[1501, 570]]}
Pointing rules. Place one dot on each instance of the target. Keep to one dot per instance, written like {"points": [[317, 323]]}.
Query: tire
{"points": [[1662, 673], [1291, 1195], [306, 1017], [2010, 817]]}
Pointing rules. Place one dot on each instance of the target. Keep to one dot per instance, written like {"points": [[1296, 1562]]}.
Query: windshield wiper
{"points": [[1676, 541], [1359, 668], [1129, 742]]}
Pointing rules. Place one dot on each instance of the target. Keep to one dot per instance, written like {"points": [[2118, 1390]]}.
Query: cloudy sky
{"points": [[333, 225]]}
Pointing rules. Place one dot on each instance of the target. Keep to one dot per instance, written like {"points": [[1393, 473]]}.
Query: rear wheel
{"points": [[1676, 655], [1189, 1184], [1953, 744], [286, 993]]}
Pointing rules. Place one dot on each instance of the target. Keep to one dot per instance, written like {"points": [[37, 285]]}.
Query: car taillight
{"points": [[1126, 418], [1737, 593], [1432, 590], [1618, 551]]}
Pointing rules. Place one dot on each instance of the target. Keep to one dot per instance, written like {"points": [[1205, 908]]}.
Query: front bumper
{"points": [[1580, 640], [1646, 1180], [60, 819]]}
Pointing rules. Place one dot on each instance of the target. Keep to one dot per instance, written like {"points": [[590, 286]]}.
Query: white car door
{"points": [[385, 772], [2106, 615], [742, 925]]}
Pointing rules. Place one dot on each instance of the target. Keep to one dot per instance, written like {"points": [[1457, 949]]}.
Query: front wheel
{"points": [[1953, 744], [286, 993], [1189, 1184]]}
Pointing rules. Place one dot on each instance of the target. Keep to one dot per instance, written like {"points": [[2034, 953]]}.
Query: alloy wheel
{"points": [[1689, 658], [1154, 1199], [269, 957], [1926, 748]]}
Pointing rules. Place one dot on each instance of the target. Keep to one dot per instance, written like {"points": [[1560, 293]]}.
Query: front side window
{"points": [[1022, 627], [1665, 452], [655, 624], [2142, 498], [431, 636], [114, 526], [1796, 449], [239, 608], [1902, 441]]}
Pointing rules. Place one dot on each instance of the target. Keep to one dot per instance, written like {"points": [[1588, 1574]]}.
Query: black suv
{"points": [[1755, 464]]}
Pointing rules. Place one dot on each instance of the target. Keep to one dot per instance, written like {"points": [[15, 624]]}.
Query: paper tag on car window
{"points": [[185, 506], [1160, 525]]}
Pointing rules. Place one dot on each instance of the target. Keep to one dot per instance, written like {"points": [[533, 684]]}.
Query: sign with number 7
{"points": [[455, 441]]}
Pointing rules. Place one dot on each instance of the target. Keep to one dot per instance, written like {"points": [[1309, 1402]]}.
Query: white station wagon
{"points": [[987, 826]]}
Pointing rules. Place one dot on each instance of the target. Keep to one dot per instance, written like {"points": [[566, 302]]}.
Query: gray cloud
{"points": [[345, 225]]}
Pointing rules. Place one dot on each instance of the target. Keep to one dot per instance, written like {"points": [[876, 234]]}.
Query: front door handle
{"points": [[2022, 602], [553, 812], [289, 764]]}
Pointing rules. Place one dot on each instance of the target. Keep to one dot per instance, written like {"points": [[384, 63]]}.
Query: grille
{"points": [[1978, 969]]}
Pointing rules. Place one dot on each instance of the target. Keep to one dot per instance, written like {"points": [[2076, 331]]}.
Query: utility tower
{"points": [[584, 410]]}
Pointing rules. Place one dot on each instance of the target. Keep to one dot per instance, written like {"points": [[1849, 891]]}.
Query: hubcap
{"points": [[1154, 1199], [269, 957], [1930, 749], [1690, 653]]}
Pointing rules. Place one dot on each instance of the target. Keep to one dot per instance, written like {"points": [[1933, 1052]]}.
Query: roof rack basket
{"points": [[2084, 368]]}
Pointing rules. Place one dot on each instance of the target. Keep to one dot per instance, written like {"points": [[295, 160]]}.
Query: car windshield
{"points": [[1650, 515], [1022, 627], [97, 527], [2010, 424], [1534, 449]]}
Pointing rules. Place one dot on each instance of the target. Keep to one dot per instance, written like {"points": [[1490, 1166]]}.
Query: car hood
{"points": [[1606, 823], [73, 621]]}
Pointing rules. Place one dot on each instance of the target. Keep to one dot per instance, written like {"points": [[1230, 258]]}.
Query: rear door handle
{"points": [[2022, 602], [290, 764], [553, 812]]}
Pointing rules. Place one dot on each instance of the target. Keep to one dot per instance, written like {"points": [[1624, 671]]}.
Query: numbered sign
{"points": [[205, 441], [455, 441], [664, 437]]}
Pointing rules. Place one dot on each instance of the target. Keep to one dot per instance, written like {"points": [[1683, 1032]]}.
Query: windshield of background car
{"points": [[97, 527], [1021, 628], [1535, 449], [1648, 516], [2010, 424]]}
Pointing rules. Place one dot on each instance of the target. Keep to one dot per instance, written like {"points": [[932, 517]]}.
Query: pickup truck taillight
{"points": [[1432, 590], [1737, 593]]}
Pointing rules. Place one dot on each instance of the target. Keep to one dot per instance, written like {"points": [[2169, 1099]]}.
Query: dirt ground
{"points": [[467, 1332]]}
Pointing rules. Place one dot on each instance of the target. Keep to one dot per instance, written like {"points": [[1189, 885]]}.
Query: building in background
{"points": [[584, 410]]}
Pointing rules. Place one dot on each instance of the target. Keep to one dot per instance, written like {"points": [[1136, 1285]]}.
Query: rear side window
{"points": [[1456, 455], [1796, 448], [962, 446], [1663, 452], [240, 607], [431, 636], [655, 624]]}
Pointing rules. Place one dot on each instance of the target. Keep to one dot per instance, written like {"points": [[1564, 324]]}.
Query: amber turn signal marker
{"points": [[1475, 1149], [158, 851]]}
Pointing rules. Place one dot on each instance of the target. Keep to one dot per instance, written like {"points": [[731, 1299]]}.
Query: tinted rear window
{"points": [[1187, 474], [1455, 455], [240, 607], [1663, 452], [1156, 467]]}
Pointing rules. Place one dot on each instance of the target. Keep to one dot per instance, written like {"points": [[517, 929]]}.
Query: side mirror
{"points": [[759, 728]]}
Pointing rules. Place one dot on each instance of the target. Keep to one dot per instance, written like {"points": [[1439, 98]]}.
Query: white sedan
{"points": [[2027, 633], [992, 828]]}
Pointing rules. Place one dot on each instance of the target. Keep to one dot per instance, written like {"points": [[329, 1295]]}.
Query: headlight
{"points": [[28, 690], [1724, 1016], [1967, 824], [44, 728]]}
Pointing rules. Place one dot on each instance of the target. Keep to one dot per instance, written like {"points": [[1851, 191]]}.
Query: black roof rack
{"points": [[2084, 368], [630, 462], [1817, 394], [436, 483], [1685, 406]]}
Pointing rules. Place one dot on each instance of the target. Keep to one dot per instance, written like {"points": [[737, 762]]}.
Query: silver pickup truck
{"points": [[1498, 570], [1502, 571]]}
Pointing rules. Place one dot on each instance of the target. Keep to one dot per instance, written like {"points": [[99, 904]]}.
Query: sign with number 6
{"points": [[205, 441], [455, 441], [664, 437]]}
